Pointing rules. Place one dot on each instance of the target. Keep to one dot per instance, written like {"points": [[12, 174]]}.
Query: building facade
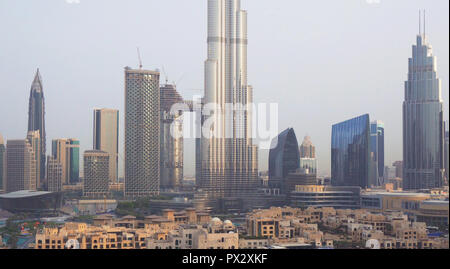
{"points": [[376, 153], [142, 132], [2, 164], [96, 174], [228, 157], [21, 166], [106, 137], [36, 119], [67, 153], [423, 126], [284, 157], [350, 152], [34, 139], [171, 138], [307, 149], [54, 175]]}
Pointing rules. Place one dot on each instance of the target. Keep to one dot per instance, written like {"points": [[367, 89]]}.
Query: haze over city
{"points": [[322, 61]]}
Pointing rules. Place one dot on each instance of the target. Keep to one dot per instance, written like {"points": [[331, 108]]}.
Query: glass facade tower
{"points": [[376, 153], [350, 152]]}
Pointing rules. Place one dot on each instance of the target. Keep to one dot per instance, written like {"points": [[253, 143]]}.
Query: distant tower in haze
{"points": [[36, 119], [142, 132], [106, 137], [423, 125], [54, 175], [307, 149], [171, 147]]}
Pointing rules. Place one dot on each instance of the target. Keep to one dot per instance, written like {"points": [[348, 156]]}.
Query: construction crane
{"points": [[139, 57]]}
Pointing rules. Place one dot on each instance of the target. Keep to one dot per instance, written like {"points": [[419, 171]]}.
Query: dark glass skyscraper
{"points": [[376, 153], [350, 152], [36, 119], [284, 157], [423, 125]]}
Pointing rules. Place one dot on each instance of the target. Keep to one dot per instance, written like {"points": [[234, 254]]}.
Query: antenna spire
{"points": [[420, 22], [139, 57], [424, 22]]}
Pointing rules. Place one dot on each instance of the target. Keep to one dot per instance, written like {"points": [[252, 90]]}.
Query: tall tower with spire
{"points": [[228, 156], [36, 120], [423, 125]]}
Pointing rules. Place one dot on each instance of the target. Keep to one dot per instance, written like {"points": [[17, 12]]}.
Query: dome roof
{"points": [[227, 222]]}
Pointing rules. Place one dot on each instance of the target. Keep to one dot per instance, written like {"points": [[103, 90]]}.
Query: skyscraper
{"points": [[308, 156], [376, 153], [21, 166], [96, 174], [307, 149], [142, 132], [2, 164], [106, 137], [34, 139], [284, 157], [171, 146], [228, 156], [423, 126], [350, 152], [36, 119], [54, 175], [446, 152], [67, 153]]}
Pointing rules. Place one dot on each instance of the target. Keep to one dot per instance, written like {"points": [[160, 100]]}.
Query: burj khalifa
{"points": [[227, 165]]}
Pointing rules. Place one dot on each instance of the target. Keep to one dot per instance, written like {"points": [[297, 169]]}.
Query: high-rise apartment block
{"points": [[96, 174], [21, 166], [142, 132], [36, 120], [106, 137], [423, 125], [67, 153], [54, 175]]}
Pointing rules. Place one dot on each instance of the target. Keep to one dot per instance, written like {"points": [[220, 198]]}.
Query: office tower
{"points": [[2, 164], [67, 153], [36, 119], [21, 166], [34, 139], [142, 132], [54, 175], [398, 169], [171, 151], [423, 126], [376, 153], [228, 158], [350, 152], [307, 149], [106, 137], [96, 174], [284, 157]]}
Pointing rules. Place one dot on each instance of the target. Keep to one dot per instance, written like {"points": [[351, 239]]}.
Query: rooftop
{"points": [[23, 194]]}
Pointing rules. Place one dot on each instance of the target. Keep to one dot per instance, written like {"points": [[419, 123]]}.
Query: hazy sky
{"points": [[323, 61]]}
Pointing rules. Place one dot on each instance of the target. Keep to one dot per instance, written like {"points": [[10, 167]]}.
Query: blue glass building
{"points": [[350, 152], [284, 157]]}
